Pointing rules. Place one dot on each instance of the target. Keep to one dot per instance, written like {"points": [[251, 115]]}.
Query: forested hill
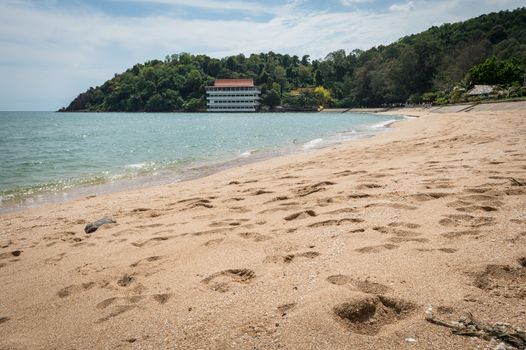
{"points": [[432, 63]]}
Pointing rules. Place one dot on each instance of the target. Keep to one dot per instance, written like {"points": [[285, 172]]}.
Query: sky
{"points": [[52, 50]]}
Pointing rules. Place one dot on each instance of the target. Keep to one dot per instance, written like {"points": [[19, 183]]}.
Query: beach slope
{"points": [[340, 248]]}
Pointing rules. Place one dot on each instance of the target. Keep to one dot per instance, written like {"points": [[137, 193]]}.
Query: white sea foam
{"points": [[246, 154], [384, 124], [136, 166], [312, 143]]}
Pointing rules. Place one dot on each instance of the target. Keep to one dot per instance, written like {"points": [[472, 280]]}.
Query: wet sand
{"points": [[339, 248]]}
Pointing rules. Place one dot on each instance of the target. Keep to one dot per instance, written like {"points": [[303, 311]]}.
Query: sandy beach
{"points": [[340, 248]]}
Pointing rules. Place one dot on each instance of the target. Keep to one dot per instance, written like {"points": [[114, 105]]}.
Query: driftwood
{"points": [[468, 326]]}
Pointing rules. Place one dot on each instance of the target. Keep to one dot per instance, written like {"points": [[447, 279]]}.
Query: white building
{"points": [[232, 95]]}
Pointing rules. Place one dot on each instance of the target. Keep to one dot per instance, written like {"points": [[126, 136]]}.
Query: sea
{"points": [[53, 157]]}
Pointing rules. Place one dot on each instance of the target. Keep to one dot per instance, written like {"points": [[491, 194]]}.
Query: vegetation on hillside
{"points": [[437, 65]]}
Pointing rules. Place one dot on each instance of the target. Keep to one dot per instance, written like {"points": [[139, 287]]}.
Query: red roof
{"points": [[234, 82]]}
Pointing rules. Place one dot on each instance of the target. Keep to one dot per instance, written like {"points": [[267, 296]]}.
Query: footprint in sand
{"points": [[423, 197], [443, 250], [221, 230], [300, 215], [213, 242], [464, 233], [147, 212], [368, 313], [151, 241], [75, 289], [346, 210], [138, 210], [439, 183], [343, 173], [129, 303], [287, 259], [146, 260], [280, 208], [228, 222], [407, 239], [254, 236], [469, 203], [120, 305], [401, 236], [55, 259], [376, 248], [124, 300], [260, 192], [222, 281], [162, 298], [456, 220], [151, 225], [479, 198], [126, 280], [474, 208], [335, 222], [503, 280], [366, 186], [192, 203], [357, 230], [310, 189], [326, 201], [358, 195], [240, 210], [365, 286], [403, 224], [377, 175], [67, 236], [125, 233], [392, 205], [309, 255], [278, 198], [477, 189]]}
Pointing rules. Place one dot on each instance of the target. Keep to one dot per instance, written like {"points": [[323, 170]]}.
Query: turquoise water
{"points": [[53, 156]]}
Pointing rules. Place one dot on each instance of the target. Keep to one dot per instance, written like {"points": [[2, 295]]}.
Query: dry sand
{"points": [[340, 248]]}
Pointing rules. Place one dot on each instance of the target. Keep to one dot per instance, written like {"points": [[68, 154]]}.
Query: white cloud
{"points": [[402, 7], [245, 6], [350, 3], [48, 55]]}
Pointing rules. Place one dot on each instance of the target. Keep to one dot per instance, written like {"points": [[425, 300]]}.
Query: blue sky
{"points": [[51, 50]]}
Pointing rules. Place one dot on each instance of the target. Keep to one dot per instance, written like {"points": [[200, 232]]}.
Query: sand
{"points": [[339, 248]]}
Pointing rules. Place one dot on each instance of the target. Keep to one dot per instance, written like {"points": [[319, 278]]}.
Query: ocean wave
{"points": [[136, 166], [247, 153], [384, 124], [312, 143]]}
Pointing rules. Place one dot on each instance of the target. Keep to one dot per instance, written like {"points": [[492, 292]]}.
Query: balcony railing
{"points": [[233, 104], [231, 92], [233, 98]]}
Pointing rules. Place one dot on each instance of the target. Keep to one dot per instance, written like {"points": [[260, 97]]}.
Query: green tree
{"points": [[323, 96], [193, 105], [155, 104], [492, 72], [271, 99]]}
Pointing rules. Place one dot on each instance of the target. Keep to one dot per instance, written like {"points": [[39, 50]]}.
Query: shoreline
{"points": [[343, 247], [166, 176]]}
